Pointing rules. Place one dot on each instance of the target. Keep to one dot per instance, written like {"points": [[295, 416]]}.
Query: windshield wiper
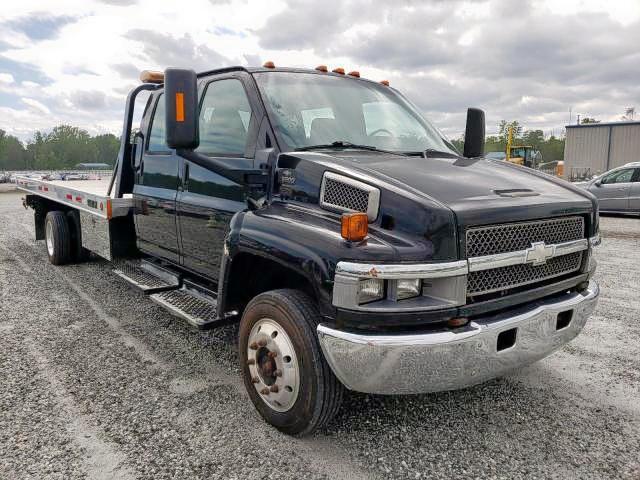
{"points": [[431, 152], [344, 144]]}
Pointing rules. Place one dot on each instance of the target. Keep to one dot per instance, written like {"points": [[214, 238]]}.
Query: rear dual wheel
{"points": [[287, 378], [57, 237], [63, 237]]}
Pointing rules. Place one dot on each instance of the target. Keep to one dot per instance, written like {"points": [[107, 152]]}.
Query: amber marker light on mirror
{"points": [[355, 226], [179, 107]]}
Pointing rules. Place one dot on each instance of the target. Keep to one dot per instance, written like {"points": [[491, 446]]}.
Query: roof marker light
{"points": [[338, 70], [269, 64], [385, 82], [322, 68], [354, 73], [150, 76]]}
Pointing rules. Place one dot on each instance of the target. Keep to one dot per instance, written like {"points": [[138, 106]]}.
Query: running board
{"points": [[146, 276], [194, 303]]}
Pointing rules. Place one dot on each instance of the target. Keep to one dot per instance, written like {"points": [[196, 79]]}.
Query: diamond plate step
{"points": [[195, 304], [147, 277]]}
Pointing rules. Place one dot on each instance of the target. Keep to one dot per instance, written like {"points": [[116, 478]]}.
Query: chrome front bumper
{"points": [[453, 359]]}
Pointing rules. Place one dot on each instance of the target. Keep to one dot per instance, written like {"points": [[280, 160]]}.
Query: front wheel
{"points": [[284, 371]]}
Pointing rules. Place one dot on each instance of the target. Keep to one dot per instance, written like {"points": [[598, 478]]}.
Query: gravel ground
{"points": [[96, 381]]}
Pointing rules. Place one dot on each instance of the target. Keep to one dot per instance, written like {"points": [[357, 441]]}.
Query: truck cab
{"points": [[354, 244]]}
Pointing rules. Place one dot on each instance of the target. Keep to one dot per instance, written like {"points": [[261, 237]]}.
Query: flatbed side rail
{"points": [[76, 197]]}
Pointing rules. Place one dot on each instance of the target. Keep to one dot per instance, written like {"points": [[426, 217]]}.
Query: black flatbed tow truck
{"points": [[356, 247]]}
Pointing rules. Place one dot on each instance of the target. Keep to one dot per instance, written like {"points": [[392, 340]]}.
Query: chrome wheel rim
{"points": [[49, 238], [273, 365]]}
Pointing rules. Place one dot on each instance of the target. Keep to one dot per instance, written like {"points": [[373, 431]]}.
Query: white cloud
{"points": [[6, 78], [36, 105], [531, 62]]}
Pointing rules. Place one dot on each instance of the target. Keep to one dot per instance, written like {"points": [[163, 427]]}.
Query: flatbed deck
{"points": [[86, 195]]}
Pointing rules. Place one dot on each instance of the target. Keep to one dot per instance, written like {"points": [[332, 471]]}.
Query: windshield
{"points": [[308, 109]]}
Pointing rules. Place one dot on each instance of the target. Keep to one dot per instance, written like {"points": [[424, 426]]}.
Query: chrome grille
{"points": [[495, 239], [511, 237], [489, 281], [346, 196]]}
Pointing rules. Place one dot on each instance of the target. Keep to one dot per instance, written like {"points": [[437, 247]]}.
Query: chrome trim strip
{"points": [[402, 271], [374, 194], [451, 359], [488, 262]]}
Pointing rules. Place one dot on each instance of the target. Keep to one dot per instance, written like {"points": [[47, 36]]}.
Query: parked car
{"points": [[618, 190]]}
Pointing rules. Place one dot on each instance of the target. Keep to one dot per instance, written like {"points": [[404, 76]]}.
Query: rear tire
{"points": [[316, 394], [57, 237]]}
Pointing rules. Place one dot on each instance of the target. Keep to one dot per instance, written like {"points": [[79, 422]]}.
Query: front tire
{"points": [[287, 378], [57, 237]]}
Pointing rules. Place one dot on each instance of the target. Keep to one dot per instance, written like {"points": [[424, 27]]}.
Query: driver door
{"points": [[207, 201]]}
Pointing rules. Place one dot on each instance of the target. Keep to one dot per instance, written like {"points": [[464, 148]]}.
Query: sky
{"points": [[535, 61]]}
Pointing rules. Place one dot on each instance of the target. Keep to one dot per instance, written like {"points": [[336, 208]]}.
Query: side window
{"points": [[636, 176], [157, 134], [224, 119], [622, 176]]}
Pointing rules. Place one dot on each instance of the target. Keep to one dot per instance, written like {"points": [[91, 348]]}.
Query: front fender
{"points": [[309, 244]]}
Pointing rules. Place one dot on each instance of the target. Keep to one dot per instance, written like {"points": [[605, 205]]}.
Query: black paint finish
{"points": [[201, 222]]}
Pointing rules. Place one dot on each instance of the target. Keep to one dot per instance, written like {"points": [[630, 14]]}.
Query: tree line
{"points": [[551, 148], [66, 146], [62, 148]]}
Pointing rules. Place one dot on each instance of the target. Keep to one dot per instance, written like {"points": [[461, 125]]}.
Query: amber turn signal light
{"points": [[355, 226]]}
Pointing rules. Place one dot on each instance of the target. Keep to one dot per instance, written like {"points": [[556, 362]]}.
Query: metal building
{"points": [[594, 148]]}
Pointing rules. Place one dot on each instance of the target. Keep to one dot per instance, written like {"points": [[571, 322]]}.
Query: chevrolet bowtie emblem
{"points": [[539, 252]]}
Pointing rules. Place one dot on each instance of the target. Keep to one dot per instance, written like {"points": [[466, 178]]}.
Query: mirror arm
{"points": [[254, 179]]}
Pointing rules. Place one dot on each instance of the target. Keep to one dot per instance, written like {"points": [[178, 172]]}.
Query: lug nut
{"points": [[253, 346], [262, 343], [265, 391], [274, 388], [272, 354], [277, 373], [255, 379], [251, 361]]}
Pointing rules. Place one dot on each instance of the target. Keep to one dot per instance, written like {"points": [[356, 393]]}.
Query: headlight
{"points": [[408, 288], [369, 290]]}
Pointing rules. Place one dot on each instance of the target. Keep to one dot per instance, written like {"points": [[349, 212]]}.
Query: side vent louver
{"points": [[344, 194]]}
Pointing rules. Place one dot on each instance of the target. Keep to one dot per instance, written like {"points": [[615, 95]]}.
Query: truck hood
{"points": [[479, 191]]}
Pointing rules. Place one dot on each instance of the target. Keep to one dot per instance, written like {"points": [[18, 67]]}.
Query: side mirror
{"points": [[474, 133], [181, 108]]}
